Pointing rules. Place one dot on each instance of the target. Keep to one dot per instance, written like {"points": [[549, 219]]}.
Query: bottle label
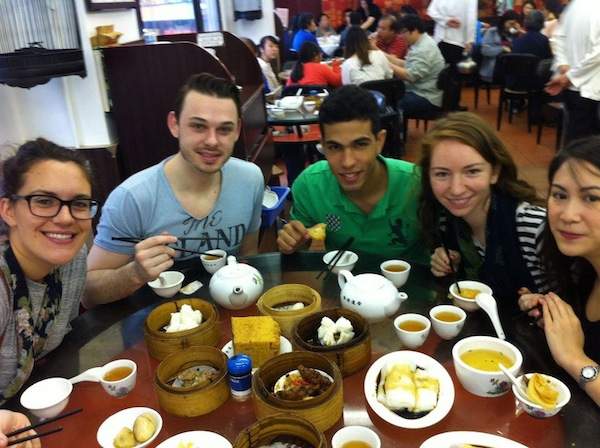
{"points": [[240, 383]]}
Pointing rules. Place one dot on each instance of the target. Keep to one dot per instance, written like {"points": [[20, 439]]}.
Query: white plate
{"points": [[199, 439], [285, 346], [450, 439], [109, 429], [432, 367]]}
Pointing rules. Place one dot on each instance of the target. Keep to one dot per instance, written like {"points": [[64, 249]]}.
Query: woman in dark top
{"points": [[370, 15], [571, 253], [533, 41]]}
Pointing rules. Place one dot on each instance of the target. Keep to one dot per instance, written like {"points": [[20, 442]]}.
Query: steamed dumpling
{"points": [[335, 333], [144, 427], [125, 439]]}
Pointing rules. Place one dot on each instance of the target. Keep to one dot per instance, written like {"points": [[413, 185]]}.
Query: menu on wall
{"points": [[335, 8]]}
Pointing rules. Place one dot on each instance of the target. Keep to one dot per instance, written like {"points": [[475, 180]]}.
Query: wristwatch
{"points": [[588, 374]]}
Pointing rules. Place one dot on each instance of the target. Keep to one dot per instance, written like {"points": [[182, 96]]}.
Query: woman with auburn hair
{"points": [[571, 256], [46, 204], [363, 63], [474, 208]]}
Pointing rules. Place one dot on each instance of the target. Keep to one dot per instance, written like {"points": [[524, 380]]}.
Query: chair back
{"points": [[518, 71], [306, 90], [392, 89]]}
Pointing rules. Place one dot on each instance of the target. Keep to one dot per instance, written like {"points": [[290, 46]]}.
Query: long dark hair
{"points": [[558, 265], [308, 52], [473, 131], [357, 44]]}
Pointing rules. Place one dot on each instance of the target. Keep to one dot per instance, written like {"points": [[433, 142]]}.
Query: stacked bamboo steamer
{"points": [[161, 344], [265, 430]]}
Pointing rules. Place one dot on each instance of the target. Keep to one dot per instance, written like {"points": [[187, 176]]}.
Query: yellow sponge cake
{"points": [[256, 336]]}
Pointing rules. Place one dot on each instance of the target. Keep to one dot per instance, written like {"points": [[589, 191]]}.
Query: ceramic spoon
{"points": [[488, 304], [94, 374], [520, 385]]}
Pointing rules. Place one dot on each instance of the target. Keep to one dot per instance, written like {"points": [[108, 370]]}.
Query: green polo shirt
{"points": [[391, 230]]}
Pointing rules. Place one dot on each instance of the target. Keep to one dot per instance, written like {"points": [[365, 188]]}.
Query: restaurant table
{"points": [[116, 331]]}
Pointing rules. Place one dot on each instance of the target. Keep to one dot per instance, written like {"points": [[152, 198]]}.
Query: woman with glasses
{"points": [[47, 209]]}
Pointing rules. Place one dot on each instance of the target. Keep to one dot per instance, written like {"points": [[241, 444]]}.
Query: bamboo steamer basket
{"points": [[265, 430], [160, 344], [349, 357], [322, 411], [289, 293], [192, 401]]}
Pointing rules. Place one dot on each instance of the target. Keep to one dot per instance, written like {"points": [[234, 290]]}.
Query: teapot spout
{"points": [[238, 298]]}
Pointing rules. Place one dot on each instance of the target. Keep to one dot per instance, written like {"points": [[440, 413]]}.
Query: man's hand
{"points": [[557, 84], [440, 264], [292, 237], [153, 256], [11, 421], [453, 23]]}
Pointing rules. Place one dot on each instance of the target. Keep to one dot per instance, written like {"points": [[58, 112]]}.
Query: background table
{"points": [[116, 331]]}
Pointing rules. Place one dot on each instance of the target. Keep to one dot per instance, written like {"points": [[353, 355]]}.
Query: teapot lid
{"points": [[371, 281]]}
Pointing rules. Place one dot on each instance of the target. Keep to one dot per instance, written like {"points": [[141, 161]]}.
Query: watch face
{"points": [[589, 372]]}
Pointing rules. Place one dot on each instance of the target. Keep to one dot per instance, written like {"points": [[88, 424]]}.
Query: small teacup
{"points": [[395, 271], [447, 320], [355, 434], [212, 263], [412, 329], [122, 386]]}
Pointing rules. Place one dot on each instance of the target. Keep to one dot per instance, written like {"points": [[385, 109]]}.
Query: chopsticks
{"points": [[179, 249], [37, 425], [452, 268], [336, 258]]}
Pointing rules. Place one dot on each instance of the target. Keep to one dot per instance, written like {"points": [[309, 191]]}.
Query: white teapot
{"points": [[371, 295], [236, 285]]}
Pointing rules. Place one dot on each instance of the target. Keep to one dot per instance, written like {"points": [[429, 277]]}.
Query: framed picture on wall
{"points": [[98, 5]]}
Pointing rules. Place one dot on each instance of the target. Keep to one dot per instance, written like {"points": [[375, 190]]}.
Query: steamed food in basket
{"points": [[195, 376], [287, 442], [407, 390], [302, 384], [185, 319], [332, 333], [144, 427]]}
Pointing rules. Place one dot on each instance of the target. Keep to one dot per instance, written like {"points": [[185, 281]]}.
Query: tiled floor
{"points": [[531, 159]]}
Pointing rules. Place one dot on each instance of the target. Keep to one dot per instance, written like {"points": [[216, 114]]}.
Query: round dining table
{"points": [[115, 331]]}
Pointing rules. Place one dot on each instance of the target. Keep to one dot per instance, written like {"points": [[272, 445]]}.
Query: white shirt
{"points": [[268, 73], [353, 72], [576, 43], [464, 10]]}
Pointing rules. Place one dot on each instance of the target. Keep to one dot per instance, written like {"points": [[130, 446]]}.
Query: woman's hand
{"points": [[11, 421], [531, 304], [440, 264], [563, 331]]}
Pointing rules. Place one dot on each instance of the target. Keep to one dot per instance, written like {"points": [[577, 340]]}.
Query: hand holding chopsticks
{"points": [[28, 428]]}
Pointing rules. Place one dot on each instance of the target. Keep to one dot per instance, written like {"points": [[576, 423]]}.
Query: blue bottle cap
{"points": [[239, 365]]}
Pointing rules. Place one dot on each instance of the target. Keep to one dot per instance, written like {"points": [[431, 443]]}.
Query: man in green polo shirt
{"points": [[356, 192]]}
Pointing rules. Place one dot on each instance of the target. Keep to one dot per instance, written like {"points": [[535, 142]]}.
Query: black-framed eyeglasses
{"points": [[45, 206]]}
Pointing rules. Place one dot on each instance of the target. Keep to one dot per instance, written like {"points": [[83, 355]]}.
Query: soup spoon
{"points": [[488, 304], [520, 385]]}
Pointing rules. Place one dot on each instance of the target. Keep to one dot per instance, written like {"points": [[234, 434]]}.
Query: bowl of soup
{"points": [[468, 291], [476, 361]]}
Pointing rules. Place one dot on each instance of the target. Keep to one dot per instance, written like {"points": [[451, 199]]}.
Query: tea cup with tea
{"points": [[117, 377], [447, 320], [395, 271], [355, 437], [216, 259], [412, 329]]}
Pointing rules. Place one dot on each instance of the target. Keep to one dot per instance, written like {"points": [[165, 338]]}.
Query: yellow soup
{"points": [[486, 360], [468, 293]]}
